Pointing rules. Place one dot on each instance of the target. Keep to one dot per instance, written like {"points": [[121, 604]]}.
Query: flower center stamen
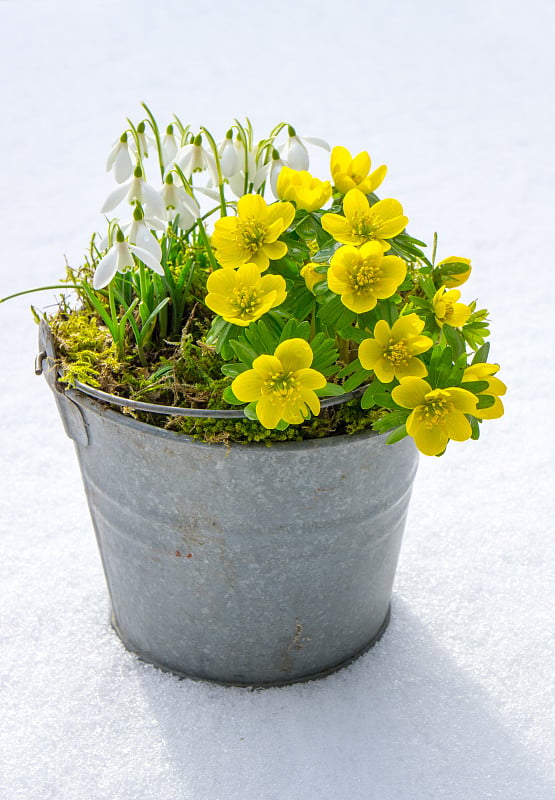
{"points": [[283, 385], [398, 353], [245, 300], [251, 233], [363, 276], [436, 409], [364, 224]]}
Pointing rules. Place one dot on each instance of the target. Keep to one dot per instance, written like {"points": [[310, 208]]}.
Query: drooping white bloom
{"points": [[139, 233], [120, 160], [294, 152], [119, 258], [194, 157], [229, 157], [170, 146], [137, 190], [257, 172], [178, 201], [275, 169]]}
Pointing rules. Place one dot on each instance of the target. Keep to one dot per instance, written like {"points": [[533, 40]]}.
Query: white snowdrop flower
{"points": [[178, 201], [137, 190], [119, 258], [294, 152], [144, 142], [120, 160], [196, 158], [169, 146], [229, 156], [275, 169], [139, 232]]}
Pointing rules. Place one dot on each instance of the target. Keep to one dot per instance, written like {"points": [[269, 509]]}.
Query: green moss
{"points": [[186, 374]]}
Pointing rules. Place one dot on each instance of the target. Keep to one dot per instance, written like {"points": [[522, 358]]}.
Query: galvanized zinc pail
{"points": [[241, 564]]}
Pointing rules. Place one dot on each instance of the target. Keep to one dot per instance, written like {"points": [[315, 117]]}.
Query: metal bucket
{"points": [[241, 564]]}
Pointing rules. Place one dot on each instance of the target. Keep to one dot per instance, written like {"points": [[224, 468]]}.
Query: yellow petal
{"points": [[359, 302], [294, 354], [408, 326], [268, 412], [247, 386], [266, 366], [312, 399], [360, 165], [252, 205], [274, 283], [383, 333], [411, 392], [463, 400], [370, 353], [385, 371], [355, 202], [458, 427], [275, 250], [335, 224], [430, 441], [340, 160], [311, 379], [414, 368]]}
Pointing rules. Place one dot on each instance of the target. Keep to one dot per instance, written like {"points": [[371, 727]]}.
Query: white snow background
{"points": [[456, 701]]}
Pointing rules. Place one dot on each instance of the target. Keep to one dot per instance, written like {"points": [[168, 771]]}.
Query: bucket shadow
{"points": [[404, 722]]}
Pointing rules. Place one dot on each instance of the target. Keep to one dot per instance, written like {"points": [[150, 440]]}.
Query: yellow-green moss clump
{"points": [[186, 374]]}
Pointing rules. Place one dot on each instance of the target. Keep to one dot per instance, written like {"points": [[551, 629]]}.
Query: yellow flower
{"points": [[307, 192], [251, 236], [438, 414], [363, 275], [486, 372], [455, 279], [282, 384], [352, 173], [365, 223], [243, 295], [447, 310], [391, 353], [311, 277]]}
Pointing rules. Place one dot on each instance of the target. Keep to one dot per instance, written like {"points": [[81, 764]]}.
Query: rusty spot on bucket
{"points": [[189, 555], [178, 554]]}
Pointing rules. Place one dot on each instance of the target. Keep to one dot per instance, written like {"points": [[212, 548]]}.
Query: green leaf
{"points": [[230, 398], [481, 355], [475, 425], [454, 339], [356, 380], [398, 434], [475, 386], [331, 390], [232, 370], [391, 420], [485, 401], [250, 412]]}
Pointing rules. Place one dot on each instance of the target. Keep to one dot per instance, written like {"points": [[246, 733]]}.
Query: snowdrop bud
{"points": [[297, 154], [275, 169], [138, 171], [119, 235], [138, 213], [229, 160]]}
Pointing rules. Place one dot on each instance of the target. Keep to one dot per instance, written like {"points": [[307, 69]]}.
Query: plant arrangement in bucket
{"points": [[239, 299]]}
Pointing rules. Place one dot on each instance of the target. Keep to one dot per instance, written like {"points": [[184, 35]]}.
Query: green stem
{"points": [[156, 131], [41, 289]]}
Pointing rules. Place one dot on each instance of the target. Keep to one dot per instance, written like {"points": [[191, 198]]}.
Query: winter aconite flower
{"points": [[119, 258], [354, 173], [437, 414], [452, 279], [362, 276], [392, 352], [251, 236], [365, 223], [303, 189], [282, 385], [311, 276], [447, 310], [486, 372], [243, 295]]}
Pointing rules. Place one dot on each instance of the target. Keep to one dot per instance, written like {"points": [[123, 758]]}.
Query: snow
{"points": [[456, 700]]}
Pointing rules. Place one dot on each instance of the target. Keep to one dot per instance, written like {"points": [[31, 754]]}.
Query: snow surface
{"points": [[456, 701]]}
